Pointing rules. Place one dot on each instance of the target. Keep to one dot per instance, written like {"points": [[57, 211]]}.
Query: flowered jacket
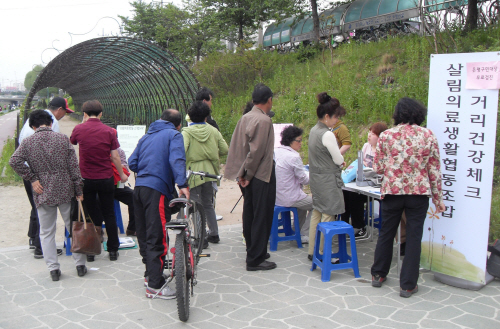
{"points": [[408, 157], [52, 161]]}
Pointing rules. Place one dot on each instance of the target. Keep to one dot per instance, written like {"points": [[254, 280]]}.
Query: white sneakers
{"points": [[165, 293], [218, 217], [304, 239]]}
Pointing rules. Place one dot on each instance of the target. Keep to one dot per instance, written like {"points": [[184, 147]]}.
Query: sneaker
{"points": [[165, 293], [146, 279], [205, 243], [213, 239], [377, 281], [218, 217], [360, 233], [39, 253], [243, 239], [90, 258], [408, 293], [304, 239]]}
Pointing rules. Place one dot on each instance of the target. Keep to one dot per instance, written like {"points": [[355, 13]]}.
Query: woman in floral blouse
{"points": [[408, 157]]}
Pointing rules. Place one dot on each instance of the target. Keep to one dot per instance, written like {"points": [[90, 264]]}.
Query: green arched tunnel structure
{"points": [[135, 80]]}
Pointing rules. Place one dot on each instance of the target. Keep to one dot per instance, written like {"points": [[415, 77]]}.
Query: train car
{"points": [[409, 16]]}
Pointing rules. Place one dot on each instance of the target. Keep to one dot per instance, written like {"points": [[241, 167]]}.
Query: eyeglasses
{"points": [[298, 140]]}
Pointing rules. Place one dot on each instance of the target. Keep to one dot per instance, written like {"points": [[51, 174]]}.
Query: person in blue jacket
{"points": [[159, 160]]}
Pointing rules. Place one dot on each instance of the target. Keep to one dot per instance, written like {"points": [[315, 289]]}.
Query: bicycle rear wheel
{"points": [[181, 276], [197, 223]]}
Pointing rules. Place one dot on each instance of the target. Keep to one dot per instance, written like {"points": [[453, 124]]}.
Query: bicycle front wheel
{"points": [[197, 223], [181, 276]]}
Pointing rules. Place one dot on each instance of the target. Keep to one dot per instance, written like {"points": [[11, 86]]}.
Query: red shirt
{"points": [[95, 141]]}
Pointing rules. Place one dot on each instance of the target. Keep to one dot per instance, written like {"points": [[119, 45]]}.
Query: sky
{"points": [[29, 28]]}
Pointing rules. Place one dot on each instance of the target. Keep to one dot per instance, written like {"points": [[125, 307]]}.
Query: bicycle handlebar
{"points": [[203, 174]]}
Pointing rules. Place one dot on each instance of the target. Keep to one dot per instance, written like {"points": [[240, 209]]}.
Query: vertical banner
{"points": [[462, 113], [128, 137]]}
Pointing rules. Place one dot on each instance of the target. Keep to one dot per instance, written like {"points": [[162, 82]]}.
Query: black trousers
{"points": [[34, 226], [126, 195], [258, 208], [151, 214], [415, 207], [98, 199], [354, 208]]}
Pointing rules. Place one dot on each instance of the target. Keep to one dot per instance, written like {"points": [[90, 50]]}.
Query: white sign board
{"points": [[464, 121], [128, 136]]}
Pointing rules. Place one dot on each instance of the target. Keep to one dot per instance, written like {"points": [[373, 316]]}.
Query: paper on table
{"points": [[483, 75]]}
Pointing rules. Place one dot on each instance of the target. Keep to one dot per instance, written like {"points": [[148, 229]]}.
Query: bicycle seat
{"points": [[177, 200]]}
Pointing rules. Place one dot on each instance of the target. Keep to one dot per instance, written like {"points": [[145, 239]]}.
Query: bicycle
{"points": [[189, 228]]}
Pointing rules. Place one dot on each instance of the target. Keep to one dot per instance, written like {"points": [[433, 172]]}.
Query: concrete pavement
{"points": [[7, 126], [112, 294]]}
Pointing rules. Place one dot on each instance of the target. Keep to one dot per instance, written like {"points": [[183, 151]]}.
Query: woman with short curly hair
{"points": [[408, 157], [291, 177]]}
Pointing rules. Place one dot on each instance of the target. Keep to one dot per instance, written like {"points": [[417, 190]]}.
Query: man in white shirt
{"points": [[58, 107]]}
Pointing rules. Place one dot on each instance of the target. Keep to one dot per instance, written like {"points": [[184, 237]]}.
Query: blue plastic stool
{"points": [[286, 222], [329, 229], [118, 216], [67, 243]]}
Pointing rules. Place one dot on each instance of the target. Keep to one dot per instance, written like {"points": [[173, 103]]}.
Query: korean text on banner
{"points": [[464, 122], [128, 136], [483, 75]]}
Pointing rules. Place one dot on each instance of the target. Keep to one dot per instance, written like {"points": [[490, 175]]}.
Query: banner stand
{"points": [[461, 283]]}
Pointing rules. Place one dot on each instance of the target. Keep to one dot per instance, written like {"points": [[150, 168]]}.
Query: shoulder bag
{"points": [[86, 240]]}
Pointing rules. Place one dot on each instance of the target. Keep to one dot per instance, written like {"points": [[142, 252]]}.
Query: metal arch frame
{"points": [[132, 78]]}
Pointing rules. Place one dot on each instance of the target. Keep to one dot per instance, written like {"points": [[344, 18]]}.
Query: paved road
{"points": [[112, 295], [7, 127]]}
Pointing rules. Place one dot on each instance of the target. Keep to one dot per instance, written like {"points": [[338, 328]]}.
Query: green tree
{"points": [[189, 33], [202, 34], [246, 15], [30, 77], [156, 23]]}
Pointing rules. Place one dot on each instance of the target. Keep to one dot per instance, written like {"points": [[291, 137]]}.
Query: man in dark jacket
{"points": [[160, 162]]}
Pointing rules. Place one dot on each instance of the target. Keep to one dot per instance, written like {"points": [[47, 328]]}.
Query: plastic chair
{"points": [[329, 229], [118, 216], [286, 222]]}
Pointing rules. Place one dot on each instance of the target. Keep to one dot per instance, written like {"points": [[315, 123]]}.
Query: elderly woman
{"points": [[291, 176], [54, 173], [408, 157], [325, 166], [354, 202]]}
